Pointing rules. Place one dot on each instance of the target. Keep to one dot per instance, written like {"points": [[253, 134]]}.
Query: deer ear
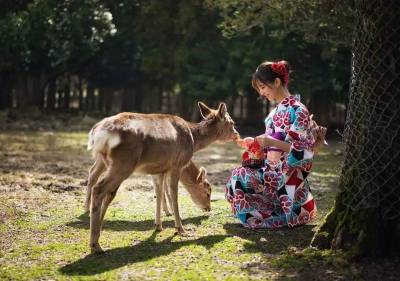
{"points": [[222, 110], [204, 109], [202, 175]]}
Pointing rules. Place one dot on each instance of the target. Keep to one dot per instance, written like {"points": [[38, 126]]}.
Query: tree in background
{"points": [[314, 36], [162, 56]]}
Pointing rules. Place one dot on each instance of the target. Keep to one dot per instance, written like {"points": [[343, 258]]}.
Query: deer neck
{"points": [[204, 133]]}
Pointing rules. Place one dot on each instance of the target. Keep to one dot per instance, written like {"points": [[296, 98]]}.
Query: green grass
{"points": [[44, 234]]}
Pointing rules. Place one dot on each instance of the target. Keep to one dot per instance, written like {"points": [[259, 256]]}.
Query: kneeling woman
{"points": [[274, 192]]}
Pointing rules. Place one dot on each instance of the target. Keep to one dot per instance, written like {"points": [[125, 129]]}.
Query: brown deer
{"points": [[156, 144], [195, 182]]}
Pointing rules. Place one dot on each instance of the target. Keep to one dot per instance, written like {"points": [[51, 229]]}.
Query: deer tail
{"points": [[102, 140]]}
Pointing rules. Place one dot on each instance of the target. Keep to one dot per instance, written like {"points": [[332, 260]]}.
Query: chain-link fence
{"points": [[371, 170]]}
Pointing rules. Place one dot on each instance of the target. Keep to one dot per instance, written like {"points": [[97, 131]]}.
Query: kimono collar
{"points": [[290, 100]]}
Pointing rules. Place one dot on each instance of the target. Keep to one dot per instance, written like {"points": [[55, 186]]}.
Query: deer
{"points": [[196, 184], [157, 144], [193, 179]]}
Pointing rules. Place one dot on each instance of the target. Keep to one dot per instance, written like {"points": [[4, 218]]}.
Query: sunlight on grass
{"points": [[44, 234]]}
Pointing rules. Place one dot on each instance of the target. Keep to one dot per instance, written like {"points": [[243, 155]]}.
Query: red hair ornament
{"points": [[280, 69]]}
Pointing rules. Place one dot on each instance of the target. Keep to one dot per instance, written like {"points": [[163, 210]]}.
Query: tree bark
{"points": [[366, 217]]}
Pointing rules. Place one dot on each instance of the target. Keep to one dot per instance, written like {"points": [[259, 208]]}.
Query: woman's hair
{"points": [[268, 71]]}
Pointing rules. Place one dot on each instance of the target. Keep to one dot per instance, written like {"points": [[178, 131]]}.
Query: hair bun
{"points": [[286, 64], [281, 68]]}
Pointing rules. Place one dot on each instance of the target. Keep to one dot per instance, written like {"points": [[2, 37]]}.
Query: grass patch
{"points": [[44, 233]]}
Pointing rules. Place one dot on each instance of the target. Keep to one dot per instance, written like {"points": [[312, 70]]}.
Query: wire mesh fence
{"points": [[371, 170]]}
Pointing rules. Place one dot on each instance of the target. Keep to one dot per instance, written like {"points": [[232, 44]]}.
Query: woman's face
{"points": [[267, 91]]}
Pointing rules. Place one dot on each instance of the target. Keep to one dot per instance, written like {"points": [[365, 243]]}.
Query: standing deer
{"points": [[156, 144]]}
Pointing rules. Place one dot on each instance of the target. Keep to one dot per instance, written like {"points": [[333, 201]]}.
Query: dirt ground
{"points": [[44, 233]]}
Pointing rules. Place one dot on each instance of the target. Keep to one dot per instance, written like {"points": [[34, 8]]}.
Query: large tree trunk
{"points": [[366, 217]]}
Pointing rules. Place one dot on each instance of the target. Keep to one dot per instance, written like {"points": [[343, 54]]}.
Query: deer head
{"points": [[200, 191], [223, 123]]}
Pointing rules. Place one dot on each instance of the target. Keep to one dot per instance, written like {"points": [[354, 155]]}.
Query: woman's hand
{"points": [[264, 141], [319, 132], [245, 143], [319, 135]]}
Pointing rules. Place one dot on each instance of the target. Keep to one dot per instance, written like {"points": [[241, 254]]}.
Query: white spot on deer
{"points": [[101, 140]]}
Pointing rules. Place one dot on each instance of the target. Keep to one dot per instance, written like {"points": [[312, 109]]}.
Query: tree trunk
{"points": [[23, 90], [38, 89], [108, 98], [67, 92], [101, 99], [366, 217], [5, 91], [254, 110], [127, 99], [319, 106], [51, 94], [138, 106], [82, 106], [90, 100]]}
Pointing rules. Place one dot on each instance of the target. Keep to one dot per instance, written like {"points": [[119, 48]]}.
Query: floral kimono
{"points": [[277, 193]]}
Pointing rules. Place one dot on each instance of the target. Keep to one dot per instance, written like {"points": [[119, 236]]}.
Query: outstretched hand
{"points": [[245, 143], [319, 132]]}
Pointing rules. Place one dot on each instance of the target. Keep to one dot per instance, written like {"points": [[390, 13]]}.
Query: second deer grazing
{"points": [[195, 182], [156, 144]]}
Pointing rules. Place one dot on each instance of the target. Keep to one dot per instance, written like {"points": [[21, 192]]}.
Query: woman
{"points": [[277, 193]]}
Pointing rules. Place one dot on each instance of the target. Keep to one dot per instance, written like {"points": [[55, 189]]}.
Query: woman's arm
{"points": [[266, 141]]}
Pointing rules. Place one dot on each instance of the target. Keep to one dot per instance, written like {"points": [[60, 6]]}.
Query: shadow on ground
{"points": [[145, 250], [124, 225], [272, 242]]}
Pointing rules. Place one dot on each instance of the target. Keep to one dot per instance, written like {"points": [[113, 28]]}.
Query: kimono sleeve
{"points": [[301, 139]]}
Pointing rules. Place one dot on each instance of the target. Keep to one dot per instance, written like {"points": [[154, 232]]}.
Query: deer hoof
{"points": [[96, 249], [168, 214], [159, 227], [180, 231]]}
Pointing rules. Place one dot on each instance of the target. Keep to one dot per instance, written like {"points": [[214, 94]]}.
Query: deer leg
{"points": [[157, 181], [159, 199], [105, 190], [94, 173], [106, 202], [164, 202], [173, 189]]}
